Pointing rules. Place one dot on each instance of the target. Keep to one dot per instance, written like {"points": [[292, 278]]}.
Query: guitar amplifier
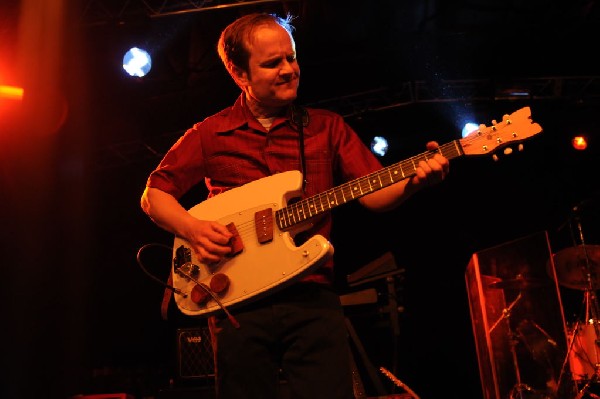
{"points": [[194, 354]]}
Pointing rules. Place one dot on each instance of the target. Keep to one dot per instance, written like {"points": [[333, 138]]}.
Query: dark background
{"points": [[80, 316]]}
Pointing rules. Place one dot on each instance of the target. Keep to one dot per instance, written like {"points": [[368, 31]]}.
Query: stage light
{"points": [[579, 143], [468, 128], [379, 145], [11, 92], [137, 62]]}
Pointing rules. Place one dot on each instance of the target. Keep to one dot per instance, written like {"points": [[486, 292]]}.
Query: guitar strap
{"points": [[299, 118], [164, 306]]}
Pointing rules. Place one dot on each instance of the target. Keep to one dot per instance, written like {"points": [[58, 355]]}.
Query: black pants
{"points": [[298, 334]]}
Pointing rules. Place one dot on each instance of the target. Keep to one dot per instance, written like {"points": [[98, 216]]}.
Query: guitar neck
{"points": [[318, 204]]}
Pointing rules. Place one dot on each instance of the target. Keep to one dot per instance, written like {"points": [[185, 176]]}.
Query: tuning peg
{"points": [[520, 147], [495, 158], [494, 123], [508, 151]]}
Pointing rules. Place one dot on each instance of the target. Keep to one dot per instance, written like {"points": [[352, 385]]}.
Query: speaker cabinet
{"points": [[194, 354]]}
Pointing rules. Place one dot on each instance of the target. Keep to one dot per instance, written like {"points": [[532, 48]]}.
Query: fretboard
{"points": [[302, 210]]}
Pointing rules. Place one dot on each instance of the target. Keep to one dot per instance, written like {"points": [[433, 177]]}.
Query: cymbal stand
{"points": [[517, 391], [590, 304]]}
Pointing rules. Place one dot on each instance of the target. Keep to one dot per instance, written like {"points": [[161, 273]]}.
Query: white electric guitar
{"points": [[264, 256]]}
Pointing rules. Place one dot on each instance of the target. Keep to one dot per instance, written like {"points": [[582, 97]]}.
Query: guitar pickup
{"points": [[263, 224]]}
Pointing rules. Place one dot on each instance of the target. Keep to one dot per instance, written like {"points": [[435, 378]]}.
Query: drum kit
{"points": [[576, 268]]}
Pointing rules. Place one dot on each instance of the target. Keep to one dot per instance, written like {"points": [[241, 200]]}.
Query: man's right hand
{"points": [[209, 240]]}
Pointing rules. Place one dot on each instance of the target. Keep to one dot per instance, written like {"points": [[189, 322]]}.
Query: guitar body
{"points": [[260, 268]]}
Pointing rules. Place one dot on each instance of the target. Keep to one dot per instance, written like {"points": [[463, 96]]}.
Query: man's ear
{"points": [[240, 76]]}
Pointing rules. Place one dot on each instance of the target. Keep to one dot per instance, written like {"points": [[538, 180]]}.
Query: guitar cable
{"points": [[232, 319], [153, 277]]}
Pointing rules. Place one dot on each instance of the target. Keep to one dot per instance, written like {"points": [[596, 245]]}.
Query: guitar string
{"points": [[296, 210], [372, 182]]}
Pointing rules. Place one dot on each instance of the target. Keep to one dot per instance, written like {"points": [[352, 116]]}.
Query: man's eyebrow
{"points": [[273, 59]]}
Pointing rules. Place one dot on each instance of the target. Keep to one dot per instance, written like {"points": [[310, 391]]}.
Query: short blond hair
{"points": [[234, 43]]}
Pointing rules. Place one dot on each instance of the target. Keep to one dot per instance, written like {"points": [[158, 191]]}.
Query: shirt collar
{"points": [[239, 115], [235, 116]]}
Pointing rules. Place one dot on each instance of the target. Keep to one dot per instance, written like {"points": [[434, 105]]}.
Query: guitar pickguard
{"points": [[261, 266]]}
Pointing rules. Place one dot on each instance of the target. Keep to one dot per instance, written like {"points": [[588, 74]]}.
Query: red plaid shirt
{"points": [[232, 148]]}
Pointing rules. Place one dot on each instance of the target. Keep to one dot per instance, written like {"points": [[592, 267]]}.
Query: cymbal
{"points": [[519, 283], [571, 266]]}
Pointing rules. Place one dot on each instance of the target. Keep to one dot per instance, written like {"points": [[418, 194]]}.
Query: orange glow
{"points": [[579, 143], [11, 92]]}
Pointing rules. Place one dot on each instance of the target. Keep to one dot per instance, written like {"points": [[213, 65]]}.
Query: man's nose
{"points": [[287, 67]]}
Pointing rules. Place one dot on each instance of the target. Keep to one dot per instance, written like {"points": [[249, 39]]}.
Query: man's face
{"points": [[273, 71]]}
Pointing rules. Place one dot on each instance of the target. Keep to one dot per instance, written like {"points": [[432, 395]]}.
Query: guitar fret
{"points": [[307, 211], [370, 181], [281, 218], [394, 172], [319, 197], [407, 172], [346, 195], [294, 213], [311, 207], [300, 211], [367, 186], [344, 199], [359, 187], [336, 194], [291, 216], [377, 181], [331, 198], [386, 178], [350, 190]]}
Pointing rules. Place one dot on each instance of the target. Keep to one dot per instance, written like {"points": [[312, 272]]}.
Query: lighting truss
{"points": [[101, 12]]}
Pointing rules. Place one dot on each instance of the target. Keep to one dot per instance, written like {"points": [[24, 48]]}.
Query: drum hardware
{"points": [[517, 391], [578, 268], [535, 339]]}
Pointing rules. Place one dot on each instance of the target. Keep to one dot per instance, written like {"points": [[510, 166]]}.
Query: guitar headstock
{"points": [[513, 128]]}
